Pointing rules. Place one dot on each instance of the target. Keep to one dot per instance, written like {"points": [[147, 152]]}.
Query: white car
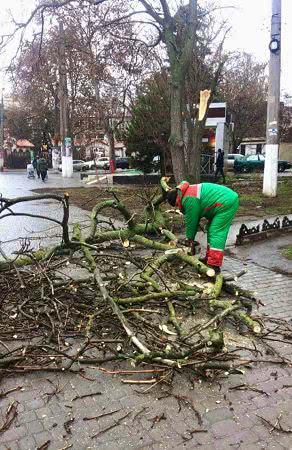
{"points": [[102, 163], [89, 165], [78, 165], [231, 157]]}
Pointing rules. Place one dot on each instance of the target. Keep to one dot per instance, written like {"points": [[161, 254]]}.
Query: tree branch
{"points": [[151, 12]]}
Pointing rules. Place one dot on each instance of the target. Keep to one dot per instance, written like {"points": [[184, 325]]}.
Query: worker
{"points": [[216, 203]]}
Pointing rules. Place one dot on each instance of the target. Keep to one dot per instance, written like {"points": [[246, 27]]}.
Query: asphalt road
{"points": [[16, 184]]}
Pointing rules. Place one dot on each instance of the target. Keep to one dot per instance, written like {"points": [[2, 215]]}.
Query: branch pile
{"points": [[123, 294]]}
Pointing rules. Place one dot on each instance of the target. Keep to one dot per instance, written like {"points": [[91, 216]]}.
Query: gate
{"points": [[207, 164]]}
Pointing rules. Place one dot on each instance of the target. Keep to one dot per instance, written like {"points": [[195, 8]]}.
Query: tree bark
{"points": [[176, 136], [109, 132], [195, 152]]}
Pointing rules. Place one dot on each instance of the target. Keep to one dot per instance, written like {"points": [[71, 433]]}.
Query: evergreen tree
{"points": [[148, 133]]}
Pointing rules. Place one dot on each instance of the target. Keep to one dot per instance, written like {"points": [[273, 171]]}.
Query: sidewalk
{"points": [[271, 288], [194, 413]]}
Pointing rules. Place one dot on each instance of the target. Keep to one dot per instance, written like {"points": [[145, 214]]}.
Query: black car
{"points": [[122, 163]]}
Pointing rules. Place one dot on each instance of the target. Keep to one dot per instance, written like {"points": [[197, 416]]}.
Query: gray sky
{"points": [[250, 21]]}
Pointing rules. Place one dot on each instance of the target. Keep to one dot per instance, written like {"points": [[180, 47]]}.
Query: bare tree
{"points": [[179, 30], [244, 88]]}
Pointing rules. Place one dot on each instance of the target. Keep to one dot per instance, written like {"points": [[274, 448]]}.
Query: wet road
{"points": [[16, 184], [41, 232]]}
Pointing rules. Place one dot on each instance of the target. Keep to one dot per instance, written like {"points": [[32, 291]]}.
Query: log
{"points": [[176, 253], [164, 184], [240, 315], [109, 204], [77, 236], [217, 286]]}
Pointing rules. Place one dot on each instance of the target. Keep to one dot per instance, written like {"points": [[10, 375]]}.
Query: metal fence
{"points": [[207, 164]]}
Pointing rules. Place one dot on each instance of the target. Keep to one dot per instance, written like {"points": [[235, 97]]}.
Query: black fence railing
{"points": [[261, 231]]}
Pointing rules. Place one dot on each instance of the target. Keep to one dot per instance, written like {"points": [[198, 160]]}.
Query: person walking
{"points": [[34, 163], [36, 166], [42, 167], [218, 204], [220, 165]]}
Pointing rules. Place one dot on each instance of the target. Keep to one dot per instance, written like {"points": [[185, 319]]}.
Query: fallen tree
{"points": [[140, 296]]}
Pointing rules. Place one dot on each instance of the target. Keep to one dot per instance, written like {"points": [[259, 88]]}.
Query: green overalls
{"points": [[216, 203]]}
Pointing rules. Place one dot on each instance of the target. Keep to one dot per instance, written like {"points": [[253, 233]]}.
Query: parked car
{"points": [[231, 157], [122, 163], [89, 165], [257, 163], [78, 165], [102, 163]]}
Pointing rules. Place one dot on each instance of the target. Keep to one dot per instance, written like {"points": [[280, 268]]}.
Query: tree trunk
{"points": [[176, 135], [109, 132], [195, 152]]}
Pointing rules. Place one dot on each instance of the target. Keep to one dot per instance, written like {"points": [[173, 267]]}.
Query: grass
{"points": [[287, 252], [252, 202]]}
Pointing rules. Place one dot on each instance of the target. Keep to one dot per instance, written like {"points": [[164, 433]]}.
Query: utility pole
{"points": [[66, 152], [272, 145], [2, 134]]}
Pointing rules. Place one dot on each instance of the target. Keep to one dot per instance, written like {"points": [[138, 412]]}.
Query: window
{"points": [[261, 157], [253, 158]]}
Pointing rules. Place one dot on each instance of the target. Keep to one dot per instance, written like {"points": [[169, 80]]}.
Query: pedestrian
{"points": [[34, 163], [218, 204], [37, 166], [43, 167], [220, 165]]}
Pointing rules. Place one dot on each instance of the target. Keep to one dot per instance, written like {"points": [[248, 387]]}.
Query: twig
{"points": [[3, 394], [155, 420], [151, 381], [44, 446], [101, 415], [111, 426], [11, 414], [86, 395], [118, 312], [246, 387], [188, 402], [277, 426], [123, 372]]}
